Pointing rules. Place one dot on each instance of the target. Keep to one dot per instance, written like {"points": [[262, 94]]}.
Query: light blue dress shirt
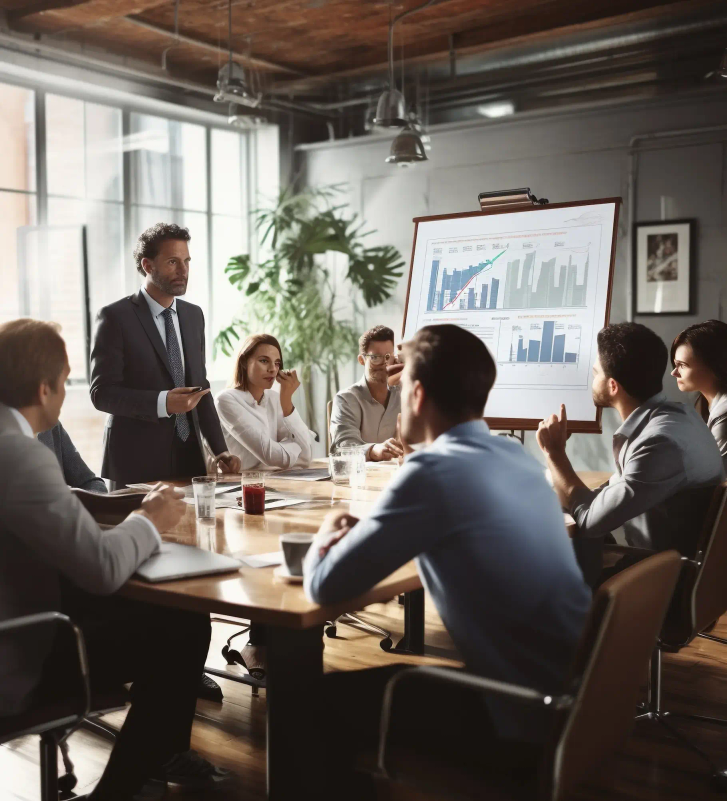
{"points": [[156, 312], [490, 544], [662, 450]]}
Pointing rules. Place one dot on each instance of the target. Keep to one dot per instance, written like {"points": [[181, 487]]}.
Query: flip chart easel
{"points": [[533, 280]]}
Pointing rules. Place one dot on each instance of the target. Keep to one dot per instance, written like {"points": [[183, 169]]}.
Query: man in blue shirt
{"points": [[486, 531]]}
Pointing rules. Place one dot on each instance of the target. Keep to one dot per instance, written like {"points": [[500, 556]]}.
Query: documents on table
{"points": [[261, 559], [303, 474]]}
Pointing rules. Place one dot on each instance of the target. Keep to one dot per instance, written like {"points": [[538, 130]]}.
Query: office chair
{"points": [[57, 720], [699, 600], [590, 719]]}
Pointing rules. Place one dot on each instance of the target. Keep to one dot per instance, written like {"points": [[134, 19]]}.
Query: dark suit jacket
{"points": [[76, 472], [129, 368]]}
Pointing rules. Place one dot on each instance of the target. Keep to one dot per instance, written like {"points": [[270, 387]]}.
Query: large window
{"points": [[72, 207], [18, 207]]}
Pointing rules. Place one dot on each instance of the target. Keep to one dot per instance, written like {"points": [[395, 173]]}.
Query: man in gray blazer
{"points": [[53, 556]]}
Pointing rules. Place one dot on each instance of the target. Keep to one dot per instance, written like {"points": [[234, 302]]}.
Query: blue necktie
{"points": [[175, 362]]}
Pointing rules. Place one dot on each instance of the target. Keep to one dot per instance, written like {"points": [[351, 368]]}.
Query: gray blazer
{"points": [[46, 533], [75, 471]]}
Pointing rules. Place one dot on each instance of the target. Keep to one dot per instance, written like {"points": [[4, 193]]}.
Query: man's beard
{"points": [[600, 401], [166, 286], [377, 376]]}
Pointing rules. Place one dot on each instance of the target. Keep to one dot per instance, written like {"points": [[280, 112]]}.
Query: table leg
{"points": [[294, 674], [413, 640]]}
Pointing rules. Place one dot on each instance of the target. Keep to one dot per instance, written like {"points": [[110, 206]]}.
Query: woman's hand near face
{"points": [[289, 382]]}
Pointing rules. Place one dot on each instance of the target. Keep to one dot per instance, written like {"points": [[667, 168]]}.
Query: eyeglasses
{"points": [[379, 358]]}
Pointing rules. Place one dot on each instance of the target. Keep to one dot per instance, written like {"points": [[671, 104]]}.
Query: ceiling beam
{"points": [[40, 7], [476, 41], [252, 61]]}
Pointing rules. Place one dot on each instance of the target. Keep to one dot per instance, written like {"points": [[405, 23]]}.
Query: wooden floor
{"points": [[651, 765]]}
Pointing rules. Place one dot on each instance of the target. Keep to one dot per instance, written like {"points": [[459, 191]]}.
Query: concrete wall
{"points": [[565, 156]]}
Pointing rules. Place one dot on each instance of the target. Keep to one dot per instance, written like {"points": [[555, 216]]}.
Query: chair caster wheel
{"points": [[66, 783], [386, 644], [331, 631], [719, 781]]}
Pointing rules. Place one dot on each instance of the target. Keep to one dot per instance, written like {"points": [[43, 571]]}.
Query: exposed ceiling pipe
{"points": [[530, 54], [39, 48], [253, 61]]}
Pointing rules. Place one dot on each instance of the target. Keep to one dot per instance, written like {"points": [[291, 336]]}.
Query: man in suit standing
{"points": [[148, 372], [54, 557]]}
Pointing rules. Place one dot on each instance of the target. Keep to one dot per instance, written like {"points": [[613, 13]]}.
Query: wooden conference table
{"points": [[294, 624]]}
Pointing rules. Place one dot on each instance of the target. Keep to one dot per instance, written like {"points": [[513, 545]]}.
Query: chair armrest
{"points": [[41, 618], [468, 680], [107, 507], [627, 550]]}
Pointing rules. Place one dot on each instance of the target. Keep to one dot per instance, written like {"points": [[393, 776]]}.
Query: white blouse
{"points": [[259, 433]]}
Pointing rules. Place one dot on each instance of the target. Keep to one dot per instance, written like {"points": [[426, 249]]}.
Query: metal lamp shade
{"points": [[390, 110], [407, 149]]}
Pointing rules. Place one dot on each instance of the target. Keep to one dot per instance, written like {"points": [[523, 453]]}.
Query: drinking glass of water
{"points": [[204, 497]]}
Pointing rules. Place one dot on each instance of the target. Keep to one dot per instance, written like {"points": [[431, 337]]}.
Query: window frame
{"points": [[248, 155]]}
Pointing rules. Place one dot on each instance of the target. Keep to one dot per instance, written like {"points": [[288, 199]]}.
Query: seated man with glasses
{"points": [[366, 413]]}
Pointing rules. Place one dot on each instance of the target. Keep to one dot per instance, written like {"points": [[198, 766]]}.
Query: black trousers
{"points": [[162, 651], [449, 721]]}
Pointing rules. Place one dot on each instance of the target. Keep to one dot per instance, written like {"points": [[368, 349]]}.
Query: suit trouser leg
{"points": [[162, 651]]}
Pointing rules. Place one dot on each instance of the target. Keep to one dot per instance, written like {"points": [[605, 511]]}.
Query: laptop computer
{"points": [[176, 561]]}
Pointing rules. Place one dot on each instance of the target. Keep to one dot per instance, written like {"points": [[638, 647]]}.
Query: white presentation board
{"points": [[535, 286]]}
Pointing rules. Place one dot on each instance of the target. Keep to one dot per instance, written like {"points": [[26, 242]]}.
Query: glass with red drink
{"points": [[253, 492]]}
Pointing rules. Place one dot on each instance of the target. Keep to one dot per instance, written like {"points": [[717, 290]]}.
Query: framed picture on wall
{"points": [[664, 267]]}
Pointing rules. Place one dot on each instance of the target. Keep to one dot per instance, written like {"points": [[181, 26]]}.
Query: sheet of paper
{"points": [[261, 559]]}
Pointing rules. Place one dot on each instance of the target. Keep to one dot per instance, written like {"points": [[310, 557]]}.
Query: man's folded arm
{"points": [[654, 472], [107, 375], [43, 514], [404, 523]]}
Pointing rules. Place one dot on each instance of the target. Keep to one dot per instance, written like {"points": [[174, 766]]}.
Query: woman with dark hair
{"points": [[261, 426], [699, 358]]}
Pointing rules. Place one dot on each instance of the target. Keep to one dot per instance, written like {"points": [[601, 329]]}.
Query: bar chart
{"points": [[513, 275], [546, 342]]}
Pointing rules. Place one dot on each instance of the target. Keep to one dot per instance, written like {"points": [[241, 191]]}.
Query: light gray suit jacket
{"points": [[46, 533]]}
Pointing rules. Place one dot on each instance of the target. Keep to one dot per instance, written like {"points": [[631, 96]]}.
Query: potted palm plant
{"points": [[293, 291]]}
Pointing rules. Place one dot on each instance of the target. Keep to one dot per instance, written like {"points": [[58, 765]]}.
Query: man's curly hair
{"points": [[147, 246]]}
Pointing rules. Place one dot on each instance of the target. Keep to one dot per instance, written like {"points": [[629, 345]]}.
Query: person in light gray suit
{"points": [[54, 557], [75, 471]]}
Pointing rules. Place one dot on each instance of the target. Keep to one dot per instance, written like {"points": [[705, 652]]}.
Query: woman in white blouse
{"points": [[699, 358], [260, 425]]}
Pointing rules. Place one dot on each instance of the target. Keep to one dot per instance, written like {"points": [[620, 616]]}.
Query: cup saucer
{"points": [[281, 572]]}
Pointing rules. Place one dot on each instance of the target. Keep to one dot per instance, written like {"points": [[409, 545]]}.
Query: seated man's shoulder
{"points": [[348, 395], [20, 453]]}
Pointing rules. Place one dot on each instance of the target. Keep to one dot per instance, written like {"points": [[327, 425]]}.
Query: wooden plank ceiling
{"points": [[322, 40]]}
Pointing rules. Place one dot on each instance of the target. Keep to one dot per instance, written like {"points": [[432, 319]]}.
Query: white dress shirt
{"points": [[259, 433], [25, 426], [156, 313]]}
